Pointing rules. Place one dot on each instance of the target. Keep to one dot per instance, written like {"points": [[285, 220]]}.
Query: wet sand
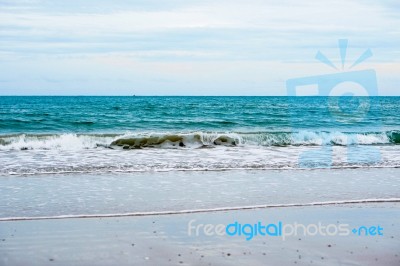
{"points": [[110, 193], [198, 199], [164, 239]]}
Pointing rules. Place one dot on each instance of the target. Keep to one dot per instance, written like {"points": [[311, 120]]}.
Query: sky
{"points": [[185, 47]]}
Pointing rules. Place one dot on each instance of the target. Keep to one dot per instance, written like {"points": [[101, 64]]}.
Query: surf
{"points": [[193, 140]]}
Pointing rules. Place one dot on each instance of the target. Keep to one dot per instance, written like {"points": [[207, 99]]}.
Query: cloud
{"points": [[37, 35]]}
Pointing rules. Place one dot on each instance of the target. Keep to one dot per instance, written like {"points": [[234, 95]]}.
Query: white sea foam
{"points": [[194, 151], [71, 141], [53, 142]]}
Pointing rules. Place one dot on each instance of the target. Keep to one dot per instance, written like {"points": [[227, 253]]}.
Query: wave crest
{"points": [[69, 141]]}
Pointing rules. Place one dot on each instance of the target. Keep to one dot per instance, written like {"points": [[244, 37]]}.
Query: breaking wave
{"points": [[70, 141]]}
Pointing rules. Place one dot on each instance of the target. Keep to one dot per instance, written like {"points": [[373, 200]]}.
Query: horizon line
{"points": [[33, 95]]}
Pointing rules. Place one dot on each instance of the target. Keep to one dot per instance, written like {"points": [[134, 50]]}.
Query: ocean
{"points": [[40, 135]]}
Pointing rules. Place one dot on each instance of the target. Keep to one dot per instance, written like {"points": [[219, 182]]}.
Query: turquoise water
{"points": [[119, 114], [63, 134]]}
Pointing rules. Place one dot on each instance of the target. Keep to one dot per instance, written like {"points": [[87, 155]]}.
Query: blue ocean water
{"points": [[38, 115], [52, 134]]}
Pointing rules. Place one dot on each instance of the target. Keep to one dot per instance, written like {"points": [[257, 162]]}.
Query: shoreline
{"points": [[194, 211], [127, 171], [165, 192]]}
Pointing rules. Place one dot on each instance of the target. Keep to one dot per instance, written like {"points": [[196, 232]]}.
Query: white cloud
{"points": [[208, 43]]}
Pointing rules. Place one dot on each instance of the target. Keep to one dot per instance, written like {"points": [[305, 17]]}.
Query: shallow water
{"points": [[94, 194]]}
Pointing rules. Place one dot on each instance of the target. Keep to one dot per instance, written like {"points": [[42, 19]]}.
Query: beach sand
{"points": [[149, 239], [164, 239]]}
